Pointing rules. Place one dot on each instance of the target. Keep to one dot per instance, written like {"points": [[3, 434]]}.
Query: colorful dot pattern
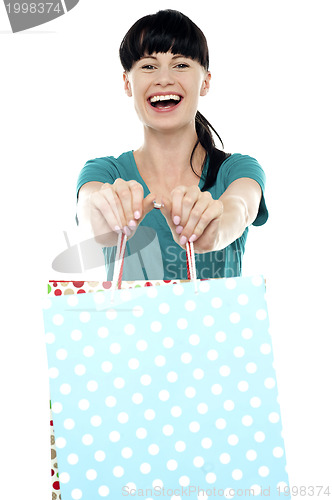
{"points": [[164, 387]]}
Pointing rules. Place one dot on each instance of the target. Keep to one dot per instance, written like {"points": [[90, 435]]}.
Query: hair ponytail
{"points": [[216, 157]]}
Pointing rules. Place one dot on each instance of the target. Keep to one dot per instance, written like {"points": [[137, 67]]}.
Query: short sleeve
{"points": [[238, 166], [100, 170]]}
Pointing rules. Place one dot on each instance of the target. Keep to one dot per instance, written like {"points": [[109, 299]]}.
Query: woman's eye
{"points": [[148, 66], [182, 65]]}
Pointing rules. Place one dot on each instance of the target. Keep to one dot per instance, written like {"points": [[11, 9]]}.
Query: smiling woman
{"points": [[205, 195]]}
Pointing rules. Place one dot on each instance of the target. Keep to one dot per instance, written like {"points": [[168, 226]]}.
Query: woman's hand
{"points": [[193, 215]]}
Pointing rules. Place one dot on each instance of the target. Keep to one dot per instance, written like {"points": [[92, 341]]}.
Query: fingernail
{"points": [[179, 229], [137, 214], [183, 240], [176, 220], [132, 224], [193, 238], [126, 231]]}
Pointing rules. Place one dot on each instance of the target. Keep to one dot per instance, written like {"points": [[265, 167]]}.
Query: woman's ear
{"points": [[206, 84], [127, 85]]}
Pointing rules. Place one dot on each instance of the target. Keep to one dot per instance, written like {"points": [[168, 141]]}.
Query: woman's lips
{"points": [[166, 108]]}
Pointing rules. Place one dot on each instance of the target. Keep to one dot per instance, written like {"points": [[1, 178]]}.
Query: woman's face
{"points": [[166, 89]]}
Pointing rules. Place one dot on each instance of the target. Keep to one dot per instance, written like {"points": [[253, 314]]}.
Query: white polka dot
{"points": [[243, 386], [220, 336], [208, 320], [141, 345], [58, 319], [263, 471], [256, 489], [224, 371], [206, 443], [246, 333], [83, 404], [230, 283], [212, 354], [157, 483], [210, 478], [92, 386], [145, 468], [85, 317], [282, 485], [180, 446], [202, 408], [111, 314], [261, 314], [163, 395], [123, 417], [64, 477], [156, 326], [72, 459], [251, 455], [237, 474], [225, 458], [76, 335], [129, 329], [269, 383], [99, 297], [184, 481], [133, 363], [247, 420], [198, 461], [141, 433], [178, 289], [115, 348], [119, 382], [186, 357], [182, 323], [53, 372], [198, 374], [88, 351], [60, 442], [259, 436], [72, 300], [229, 405], [168, 429], [153, 449], [103, 332], [255, 402], [168, 342], [106, 366], [137, 398], [233, 439], [103, 491], [221, 423], [238, 352], [61, 354], [190, 305], [69, 424], [257, 280], [125, 295], [151, 292], [127, 452], [76, 494], [194, 339], [114, 436], [176, 411], [172, 377], [172, 464], [204, 286], [265, 348], [149, 414], [145, 379], [49, 338], [234, 317], [251, 367], [278, 452], [118, 471], [91, 474], [274, 417], [190, 392], [216, 302], [138, 311], [99, 457], [80, 369], [164, 308], [216, 389], [87, 439], [96, 421], [56, 407], [243, 299], [160, 360], [194, 427]]}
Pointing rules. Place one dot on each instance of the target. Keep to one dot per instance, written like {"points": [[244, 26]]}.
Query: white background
{"points": [[62, 103]]}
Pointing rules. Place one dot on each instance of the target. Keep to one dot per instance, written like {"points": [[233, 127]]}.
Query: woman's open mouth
{"points": [[165, 102]]}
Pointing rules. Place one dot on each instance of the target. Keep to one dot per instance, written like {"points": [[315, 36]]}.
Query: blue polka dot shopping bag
{"points": [[165, 392]]}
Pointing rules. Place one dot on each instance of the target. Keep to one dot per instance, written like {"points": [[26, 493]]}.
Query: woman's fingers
{"points": [[212, 212], [183, 199]]}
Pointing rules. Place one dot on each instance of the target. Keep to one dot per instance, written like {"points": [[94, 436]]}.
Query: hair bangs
{"points": [[165, 31]]}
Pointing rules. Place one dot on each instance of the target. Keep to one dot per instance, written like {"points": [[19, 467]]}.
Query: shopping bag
{"points": [[162, 390]]}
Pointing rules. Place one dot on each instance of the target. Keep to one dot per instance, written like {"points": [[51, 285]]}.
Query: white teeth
{"points": [[156, 98]]}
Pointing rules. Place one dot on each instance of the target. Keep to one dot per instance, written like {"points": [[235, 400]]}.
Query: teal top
{"points": [[152, 254]]}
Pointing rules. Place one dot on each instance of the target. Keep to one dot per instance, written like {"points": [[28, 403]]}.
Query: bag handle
{"points": [[119, 259]]}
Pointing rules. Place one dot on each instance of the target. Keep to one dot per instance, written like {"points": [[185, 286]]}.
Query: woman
{"points": [[203, 194]]}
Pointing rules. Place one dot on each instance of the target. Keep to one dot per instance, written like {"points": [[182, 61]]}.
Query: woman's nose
{"points": [[164, 77]]}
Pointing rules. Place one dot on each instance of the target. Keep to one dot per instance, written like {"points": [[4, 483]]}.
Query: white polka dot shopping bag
{"points": [[165, 391]]}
